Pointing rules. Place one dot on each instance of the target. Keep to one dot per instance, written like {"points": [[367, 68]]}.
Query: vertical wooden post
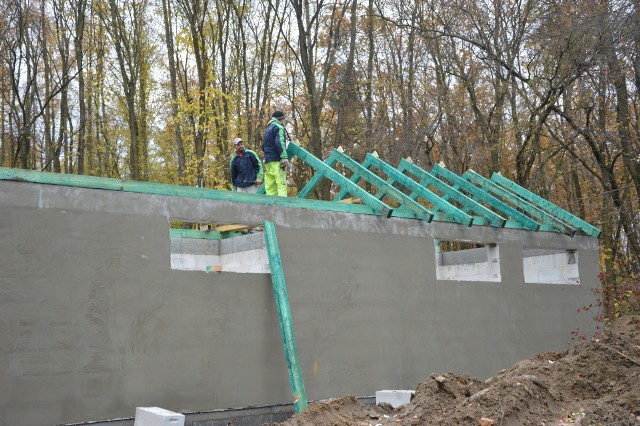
{"points": [[284, 314]]}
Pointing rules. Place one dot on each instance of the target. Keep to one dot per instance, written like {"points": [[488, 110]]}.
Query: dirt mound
{"points": [[596, 382]]}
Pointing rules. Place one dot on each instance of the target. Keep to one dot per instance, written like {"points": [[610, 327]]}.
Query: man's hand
{"points": [[284, 163], [259, 182]]}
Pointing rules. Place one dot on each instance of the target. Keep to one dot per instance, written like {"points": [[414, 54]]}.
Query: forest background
{"points": [[544, 91]]}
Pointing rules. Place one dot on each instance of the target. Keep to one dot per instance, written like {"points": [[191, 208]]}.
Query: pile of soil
{"points": [[596, 382]]}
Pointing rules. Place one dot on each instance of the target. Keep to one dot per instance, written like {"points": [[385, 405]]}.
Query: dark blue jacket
{"points": [[245, 169], [274, 141]]}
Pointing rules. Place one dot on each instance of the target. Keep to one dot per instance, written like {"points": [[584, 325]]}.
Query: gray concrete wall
{"points": [[93, 321]]}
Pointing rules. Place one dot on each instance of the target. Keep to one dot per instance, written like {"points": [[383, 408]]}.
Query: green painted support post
{"points": [[284, 314], [378, 206], [546, 205], [383, 188], [518, 202], [522, 220]]}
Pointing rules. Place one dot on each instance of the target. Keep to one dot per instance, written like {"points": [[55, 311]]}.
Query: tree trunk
{"points": [[78, 43], [168, 29]]}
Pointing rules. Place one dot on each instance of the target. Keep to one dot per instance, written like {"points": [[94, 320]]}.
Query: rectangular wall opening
{"points": [[467, 261], [215, 247], [550, 266]]}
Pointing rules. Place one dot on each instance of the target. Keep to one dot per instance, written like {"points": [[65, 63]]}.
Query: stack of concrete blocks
{"points": [[551, 267], [191, 254], [482, 264], [155, 416], [242, 254], [246, 254]]}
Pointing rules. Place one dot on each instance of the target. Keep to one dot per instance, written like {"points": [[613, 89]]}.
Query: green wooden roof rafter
{"points": [[547, 206], [518, 220], [449, 211], [469, 199], [497, 202], [546, 220], [383, 188]]}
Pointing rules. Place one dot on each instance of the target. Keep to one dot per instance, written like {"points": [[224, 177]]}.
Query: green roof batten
{"points": [[546, 205], [514, 199], [383, 187], [522, 221], [378, 206]]}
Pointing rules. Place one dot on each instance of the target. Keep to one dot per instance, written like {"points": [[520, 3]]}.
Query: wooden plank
{"points": [[351, 200], [284, 314], [233, 227]]}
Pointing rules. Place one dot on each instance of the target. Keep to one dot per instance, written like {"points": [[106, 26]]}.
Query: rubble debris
{"points": [[595, 382]]}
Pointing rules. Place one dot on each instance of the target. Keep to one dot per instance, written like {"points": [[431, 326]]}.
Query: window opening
{"points": [[218, 247], [550, 266], [467, 261]]}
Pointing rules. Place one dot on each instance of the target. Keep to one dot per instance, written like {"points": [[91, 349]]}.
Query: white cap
{"points": [[236, 140]]}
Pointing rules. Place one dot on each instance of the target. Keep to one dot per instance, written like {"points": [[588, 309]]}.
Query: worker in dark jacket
{"points": [[275, 156], [246, 169]]}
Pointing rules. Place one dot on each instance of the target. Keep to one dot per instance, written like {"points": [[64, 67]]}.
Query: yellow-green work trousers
{"points": [[275, 179]]}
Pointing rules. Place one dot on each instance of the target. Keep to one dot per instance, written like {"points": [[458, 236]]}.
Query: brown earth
{"points": [[595, 382]]}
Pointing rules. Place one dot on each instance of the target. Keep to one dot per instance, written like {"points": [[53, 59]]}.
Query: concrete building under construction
{"points": [[108, 302]]}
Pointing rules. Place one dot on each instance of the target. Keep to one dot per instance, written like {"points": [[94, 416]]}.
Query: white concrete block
{"points": [[189, 262], [155, 416], [176, 261], [203, 260], [394, 397]]}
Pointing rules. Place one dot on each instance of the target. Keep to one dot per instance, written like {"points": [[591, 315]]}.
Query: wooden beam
{"points": [[233, 227], [351, 200], [284, 314]]}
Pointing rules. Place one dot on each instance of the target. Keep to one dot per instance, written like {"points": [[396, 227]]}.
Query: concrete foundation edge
{"points": [[243, 416]]}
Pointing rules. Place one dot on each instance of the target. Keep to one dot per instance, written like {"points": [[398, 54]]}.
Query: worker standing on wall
{"points": [[275, 156], [246, 169]]}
